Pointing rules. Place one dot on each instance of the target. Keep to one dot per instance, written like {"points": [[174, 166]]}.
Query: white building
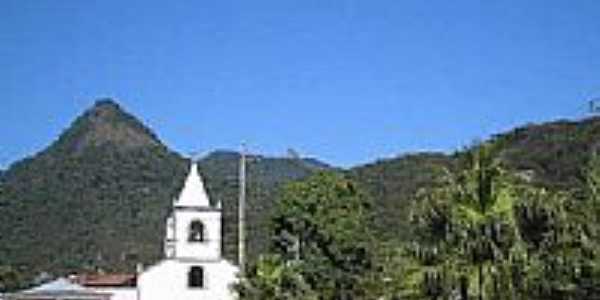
{"points": [[193, 267]]}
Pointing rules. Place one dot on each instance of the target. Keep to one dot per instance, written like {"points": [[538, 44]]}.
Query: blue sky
{"points": [[347, 81]]}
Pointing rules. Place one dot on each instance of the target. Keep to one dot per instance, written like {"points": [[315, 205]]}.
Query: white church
{"points": [[192, 269]]}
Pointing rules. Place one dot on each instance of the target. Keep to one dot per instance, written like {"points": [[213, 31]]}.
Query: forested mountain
{"points": [[551, 155], [392, 182], [98, 196]]}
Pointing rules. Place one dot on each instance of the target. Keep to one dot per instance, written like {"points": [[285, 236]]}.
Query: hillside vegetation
{"points": [[551, 155], [479, 231], [98, 196]]}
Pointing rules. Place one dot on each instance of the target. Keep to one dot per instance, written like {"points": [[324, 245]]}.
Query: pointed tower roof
{"points": [[193, 193]]}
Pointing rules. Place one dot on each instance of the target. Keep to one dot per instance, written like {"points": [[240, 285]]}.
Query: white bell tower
{"points": [[193, 267], [194, 226]]}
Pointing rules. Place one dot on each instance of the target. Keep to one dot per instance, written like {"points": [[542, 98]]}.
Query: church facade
{"points": [[193, 267]]}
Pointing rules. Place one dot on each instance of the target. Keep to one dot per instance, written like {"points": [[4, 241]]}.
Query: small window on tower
{"points": [[196, 232], [196, 277]]}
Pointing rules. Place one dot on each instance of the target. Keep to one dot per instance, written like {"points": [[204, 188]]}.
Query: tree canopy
{"points": [[321, 233], [488, 233]]}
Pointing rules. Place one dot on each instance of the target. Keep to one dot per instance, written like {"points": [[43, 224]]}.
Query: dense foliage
{"points": [[484, 233], [480, 231], [321, 243], [550, 155]]}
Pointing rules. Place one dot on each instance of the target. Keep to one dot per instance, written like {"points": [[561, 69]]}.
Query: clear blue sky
{"points": [[347, 81]]}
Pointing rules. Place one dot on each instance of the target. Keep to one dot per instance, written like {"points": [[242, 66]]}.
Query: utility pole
{"points": [[242, 211], [296, 158], [594, 106]]}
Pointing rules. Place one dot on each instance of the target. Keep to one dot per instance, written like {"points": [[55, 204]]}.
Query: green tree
{"points": [[562, 234], [321, 232], [395, 274], [325, 223], [484, 232], [10, 279], [272, 278], [466, 232]]}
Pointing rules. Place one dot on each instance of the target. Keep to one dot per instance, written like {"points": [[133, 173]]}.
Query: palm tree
{"points": [[486, 232], [483, 197], [470, 225]]}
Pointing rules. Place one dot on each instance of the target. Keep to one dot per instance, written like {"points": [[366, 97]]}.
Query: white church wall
{"points": [[120, 293], [169, 280]]}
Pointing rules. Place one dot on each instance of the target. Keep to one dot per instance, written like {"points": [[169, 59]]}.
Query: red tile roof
{"points": [[106, 280]]}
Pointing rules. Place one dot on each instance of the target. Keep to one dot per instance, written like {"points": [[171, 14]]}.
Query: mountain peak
{"points": [[106, 123], [107, 110], [107, 104]]}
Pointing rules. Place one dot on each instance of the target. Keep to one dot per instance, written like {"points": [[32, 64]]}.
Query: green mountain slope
{"points": [[551, 154], [98, 196], [93, 198], [392, 183]]}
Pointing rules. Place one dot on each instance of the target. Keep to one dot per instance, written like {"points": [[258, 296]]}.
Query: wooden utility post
{"points": [[242, 211]]}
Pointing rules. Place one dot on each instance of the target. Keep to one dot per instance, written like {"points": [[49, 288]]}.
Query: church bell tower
{"points": [[194, 226]]}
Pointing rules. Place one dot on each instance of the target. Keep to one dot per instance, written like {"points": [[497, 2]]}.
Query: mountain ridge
{"points": [[96, 198], [553, 155]]}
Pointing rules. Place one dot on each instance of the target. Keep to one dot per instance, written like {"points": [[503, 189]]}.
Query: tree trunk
{"points": [[464, 288], [480, 281]]}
